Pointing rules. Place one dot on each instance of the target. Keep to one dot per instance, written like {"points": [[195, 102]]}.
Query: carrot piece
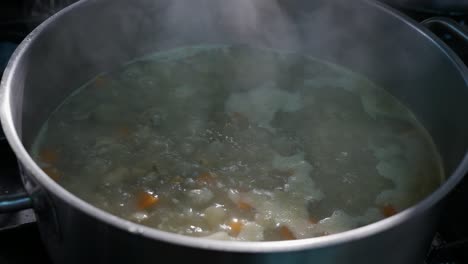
{"points": [[236, 227], [388, 210], [239, 120], [53, 173], [244, 206], [123, 132], [286, 233], [100, 81], [205, 178], [237, 115], [146, 200], [49, 156], [313, 220]]}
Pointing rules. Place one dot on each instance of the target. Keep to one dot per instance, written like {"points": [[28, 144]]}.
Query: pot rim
{"points": [[231, 246]]}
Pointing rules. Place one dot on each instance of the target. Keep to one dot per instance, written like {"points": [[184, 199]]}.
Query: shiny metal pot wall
{"points": [[94, 36]]}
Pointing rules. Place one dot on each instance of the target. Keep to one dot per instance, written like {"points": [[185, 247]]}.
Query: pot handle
{"points": [[15, 202], [448, 24]]}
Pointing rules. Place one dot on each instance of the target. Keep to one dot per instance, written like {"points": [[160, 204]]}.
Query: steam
{"points": [[347, 33], [241, 21], [102, 35]]}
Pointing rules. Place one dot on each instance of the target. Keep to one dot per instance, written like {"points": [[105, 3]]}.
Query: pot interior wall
{"points": [[97, 36]]}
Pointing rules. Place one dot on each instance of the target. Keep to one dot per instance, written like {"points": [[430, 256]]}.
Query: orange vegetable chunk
{"points": [[146, 200], [286, 233], [388, 210], [53, 173], [236, 227], [49, 156]]}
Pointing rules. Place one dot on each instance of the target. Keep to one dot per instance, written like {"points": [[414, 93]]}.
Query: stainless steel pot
{"points": [[93, 36]]}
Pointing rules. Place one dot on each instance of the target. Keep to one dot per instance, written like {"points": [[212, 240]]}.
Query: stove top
{"points": [[20, 240]]}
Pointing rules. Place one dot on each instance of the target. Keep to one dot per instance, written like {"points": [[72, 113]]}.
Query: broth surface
{"points": [[239, 143]]}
